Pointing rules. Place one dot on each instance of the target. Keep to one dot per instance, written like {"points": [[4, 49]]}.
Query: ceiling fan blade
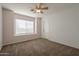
{"points": [[45, 8], [40, 5], [41, 11], [32, 9], [36, 7]]}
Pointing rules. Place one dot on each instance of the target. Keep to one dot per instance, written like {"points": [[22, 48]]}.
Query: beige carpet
{"points": [[38, 47]]}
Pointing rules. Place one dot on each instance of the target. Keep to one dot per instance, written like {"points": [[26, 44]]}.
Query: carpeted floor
{"points": [[38, 47]]}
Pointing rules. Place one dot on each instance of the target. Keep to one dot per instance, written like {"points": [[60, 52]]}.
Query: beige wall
{"points": [[8, 26], [63, 26], [0, 27]]}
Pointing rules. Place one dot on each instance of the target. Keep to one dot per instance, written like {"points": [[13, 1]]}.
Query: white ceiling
{"points": [[24, 8]]}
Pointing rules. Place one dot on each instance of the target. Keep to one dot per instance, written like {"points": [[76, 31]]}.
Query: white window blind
{"points": [[24, 27]]}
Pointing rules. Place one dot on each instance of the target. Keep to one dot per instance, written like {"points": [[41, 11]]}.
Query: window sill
{"points": [[24, 34]]}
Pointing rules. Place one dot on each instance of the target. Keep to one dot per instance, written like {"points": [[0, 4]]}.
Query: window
{"points": [[23, 27]]}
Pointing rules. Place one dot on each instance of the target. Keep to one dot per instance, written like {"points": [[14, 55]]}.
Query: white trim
{"points": [[0, 27], [24, 34]]}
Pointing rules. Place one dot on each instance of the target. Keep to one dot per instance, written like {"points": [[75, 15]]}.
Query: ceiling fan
{"points": [[39, 8]]}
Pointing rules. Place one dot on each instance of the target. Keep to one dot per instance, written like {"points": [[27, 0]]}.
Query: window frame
{"points": [[34, 28]]}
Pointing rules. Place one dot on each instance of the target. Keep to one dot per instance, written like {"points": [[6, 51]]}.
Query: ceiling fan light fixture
{"points": [[38, 11]]}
